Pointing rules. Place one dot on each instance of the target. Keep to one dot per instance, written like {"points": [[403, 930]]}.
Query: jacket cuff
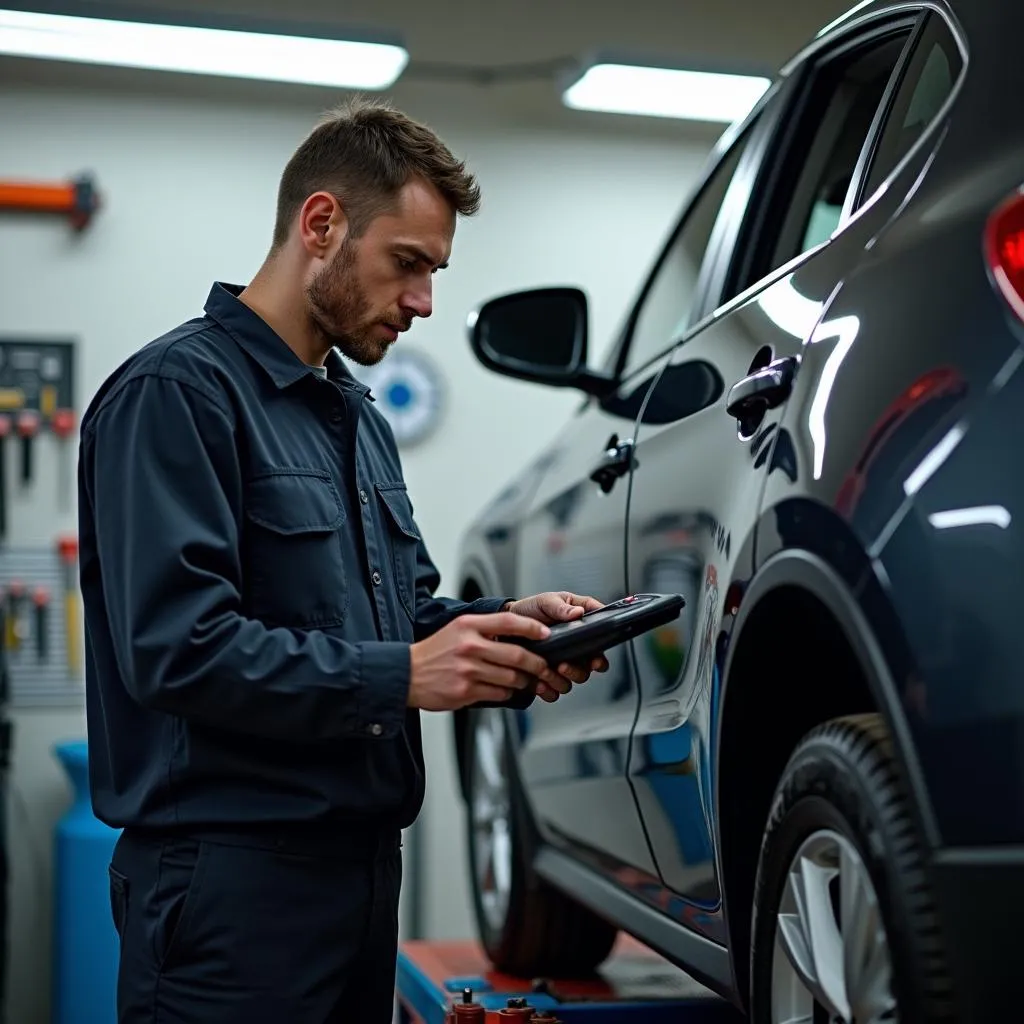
{"points": [[488, 605], [384, 674]]}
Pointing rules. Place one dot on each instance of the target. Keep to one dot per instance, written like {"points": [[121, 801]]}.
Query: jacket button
{"points": [[377, 578], [335, 415], [364, 497], [376, 729]]}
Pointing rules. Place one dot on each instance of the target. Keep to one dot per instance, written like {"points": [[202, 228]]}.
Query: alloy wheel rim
{"points": [[492, 834], [831, 962]]}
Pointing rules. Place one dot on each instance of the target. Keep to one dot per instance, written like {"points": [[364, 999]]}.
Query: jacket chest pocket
{"points": [[403, 542], [294, 565]]}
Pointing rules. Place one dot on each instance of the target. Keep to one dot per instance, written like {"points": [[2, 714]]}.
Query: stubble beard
{"points": [[340, 311]]}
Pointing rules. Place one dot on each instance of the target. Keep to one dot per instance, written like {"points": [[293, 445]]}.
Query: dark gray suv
{"points": [[808, 791]]}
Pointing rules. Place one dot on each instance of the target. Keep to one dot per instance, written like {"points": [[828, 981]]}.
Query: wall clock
{"points": [[409, 391]]}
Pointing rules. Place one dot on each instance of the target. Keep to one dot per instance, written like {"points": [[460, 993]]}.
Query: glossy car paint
{"points": [[574, 758], [885, 490], [723, 476]]}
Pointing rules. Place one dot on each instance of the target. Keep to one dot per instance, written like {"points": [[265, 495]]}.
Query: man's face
{"points": [[375, 285]]}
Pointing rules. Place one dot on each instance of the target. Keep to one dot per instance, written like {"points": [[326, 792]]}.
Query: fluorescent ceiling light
{"points": [[202, 51], [665, 92]]}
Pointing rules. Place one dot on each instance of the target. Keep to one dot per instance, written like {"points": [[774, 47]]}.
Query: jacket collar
{"points": [[266, 346]]}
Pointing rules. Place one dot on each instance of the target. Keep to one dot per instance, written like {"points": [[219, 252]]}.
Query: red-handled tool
{"points": [[28, 426], [62, 423], [67, 546], [5, 432], [41, 600], [15, 628]]}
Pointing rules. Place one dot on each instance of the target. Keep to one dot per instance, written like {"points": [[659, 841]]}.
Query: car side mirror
{"points": [[538, 335]]}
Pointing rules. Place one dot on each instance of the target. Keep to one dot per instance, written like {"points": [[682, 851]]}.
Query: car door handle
{"points": [[763, 389], [615, 462]]}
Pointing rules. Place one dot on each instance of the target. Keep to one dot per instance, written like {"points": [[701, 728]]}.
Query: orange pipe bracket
{"points": [[77, 200]]}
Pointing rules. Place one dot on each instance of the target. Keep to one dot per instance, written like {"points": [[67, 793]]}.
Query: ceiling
{"points": [[489, 33], [455, 40]]}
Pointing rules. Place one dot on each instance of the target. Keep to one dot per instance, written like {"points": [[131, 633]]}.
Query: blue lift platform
{"points": [[634, 985]]}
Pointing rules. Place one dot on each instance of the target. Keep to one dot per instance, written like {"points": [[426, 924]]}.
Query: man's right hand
{"points": [[463, 664]]}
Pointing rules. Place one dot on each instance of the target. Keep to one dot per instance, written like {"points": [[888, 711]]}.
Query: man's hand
{"points": [[560, 606], [463, 664]]}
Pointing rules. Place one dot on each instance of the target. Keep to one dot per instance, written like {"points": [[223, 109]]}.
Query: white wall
{"points": [[189, 185]]}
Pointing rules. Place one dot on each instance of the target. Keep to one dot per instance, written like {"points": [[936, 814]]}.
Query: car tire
{"points": [[841, 857], [527, 928]]}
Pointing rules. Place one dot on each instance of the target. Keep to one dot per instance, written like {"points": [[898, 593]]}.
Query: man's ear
{"points": [[321, 222]]}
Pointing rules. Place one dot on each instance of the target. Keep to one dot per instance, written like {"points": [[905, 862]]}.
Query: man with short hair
{"points": [[262, 629]]}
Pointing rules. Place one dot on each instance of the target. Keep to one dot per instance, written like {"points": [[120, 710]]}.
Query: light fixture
{"points": [[252, 54], [621, 87]]}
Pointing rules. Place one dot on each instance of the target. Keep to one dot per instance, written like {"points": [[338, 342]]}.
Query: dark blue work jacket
{"points": [[252, 578]]}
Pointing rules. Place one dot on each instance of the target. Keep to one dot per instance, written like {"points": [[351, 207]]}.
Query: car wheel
{"points": [[844, 925], [527, 928]]}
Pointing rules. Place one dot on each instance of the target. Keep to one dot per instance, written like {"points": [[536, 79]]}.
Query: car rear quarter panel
{"points": [[901, 417]]}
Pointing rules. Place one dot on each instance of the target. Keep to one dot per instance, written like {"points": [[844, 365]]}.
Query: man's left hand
{"points": [[551, 608]]}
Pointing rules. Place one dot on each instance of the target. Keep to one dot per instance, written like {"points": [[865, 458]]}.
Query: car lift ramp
{"points": [[633, 985]]}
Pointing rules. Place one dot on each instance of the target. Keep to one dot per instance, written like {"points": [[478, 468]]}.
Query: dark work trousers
{"points": [[256, 930]]}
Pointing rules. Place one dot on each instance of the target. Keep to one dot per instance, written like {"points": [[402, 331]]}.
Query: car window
{"points": [[806, 189], [930, 76], [848, 98], [665, 308]]}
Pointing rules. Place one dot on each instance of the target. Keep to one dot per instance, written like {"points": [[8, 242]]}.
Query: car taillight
{"points": [[1004, 244]]}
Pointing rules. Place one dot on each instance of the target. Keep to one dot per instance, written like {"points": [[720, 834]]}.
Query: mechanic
{"points": [[261, 620]]}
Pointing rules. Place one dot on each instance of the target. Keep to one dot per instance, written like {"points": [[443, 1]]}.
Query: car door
{"points": [[700, 466], [574, 755]]}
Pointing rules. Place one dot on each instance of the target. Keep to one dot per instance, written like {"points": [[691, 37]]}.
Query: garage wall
{"points": [[189, 183]]}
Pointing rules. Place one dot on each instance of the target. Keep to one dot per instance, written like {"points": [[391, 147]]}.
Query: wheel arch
{"points": [[765, 711]]}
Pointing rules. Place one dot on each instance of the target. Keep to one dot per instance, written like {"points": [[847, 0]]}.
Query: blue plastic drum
{"points": [[85, 944]]}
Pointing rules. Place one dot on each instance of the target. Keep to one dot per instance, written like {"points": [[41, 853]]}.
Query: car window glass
{"points": [[931, 74], [848, 99], [809, 183], [665, 310]]}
